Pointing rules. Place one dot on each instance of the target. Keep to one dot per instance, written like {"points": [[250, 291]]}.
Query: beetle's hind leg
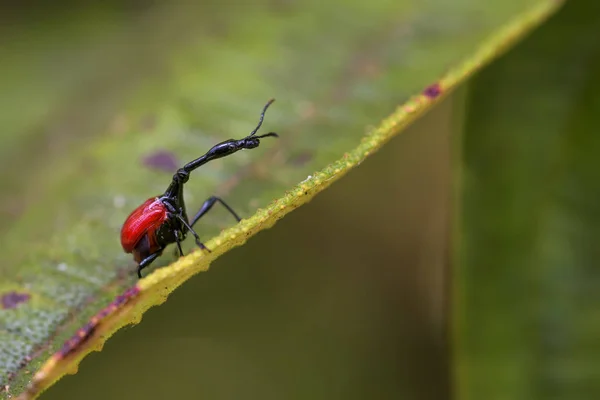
{"points": [[208, 205]]}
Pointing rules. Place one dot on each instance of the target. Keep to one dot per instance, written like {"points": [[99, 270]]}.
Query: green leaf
{"points": [[527, 284], [335, 74]]}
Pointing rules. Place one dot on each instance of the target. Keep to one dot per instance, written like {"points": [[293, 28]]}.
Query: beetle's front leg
{"points": [[179, 240], [146, 261], [190, 229]]}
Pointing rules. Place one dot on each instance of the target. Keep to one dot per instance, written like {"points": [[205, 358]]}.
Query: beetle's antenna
{"points": [[273, 134], [260, 121]]}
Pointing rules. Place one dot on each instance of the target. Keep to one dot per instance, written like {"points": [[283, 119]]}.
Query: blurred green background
{"points": [[382, 287]]}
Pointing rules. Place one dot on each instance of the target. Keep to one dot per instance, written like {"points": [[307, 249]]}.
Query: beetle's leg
{"points": [[172, 216], [208, 205], [198, 242], [178, 240], [145, 262]]}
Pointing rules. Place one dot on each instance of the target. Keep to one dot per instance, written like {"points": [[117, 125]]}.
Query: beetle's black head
{"points": [[252, 142]]}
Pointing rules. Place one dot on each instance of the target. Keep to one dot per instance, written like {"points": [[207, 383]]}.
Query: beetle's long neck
{"points": [[182, 175], [223, 149], [220, 150]]}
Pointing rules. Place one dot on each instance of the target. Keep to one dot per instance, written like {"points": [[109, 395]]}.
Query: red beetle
{"points": [[163, 220]]}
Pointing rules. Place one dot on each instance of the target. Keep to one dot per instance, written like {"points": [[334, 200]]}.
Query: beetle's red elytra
{"points": [[142, 224], [163, 220]]}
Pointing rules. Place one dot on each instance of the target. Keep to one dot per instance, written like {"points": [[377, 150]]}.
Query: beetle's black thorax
{"points": [[175, 206]]}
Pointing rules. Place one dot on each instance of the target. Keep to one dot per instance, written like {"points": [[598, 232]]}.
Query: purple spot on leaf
{"points": [[162, 160], [433, 91], [78, 339], [13, 299], [88, 329]]}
